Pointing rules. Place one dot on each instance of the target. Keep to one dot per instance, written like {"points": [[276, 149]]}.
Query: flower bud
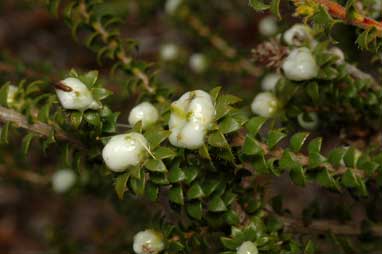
{"points": [[265, 104], [269, 82], [144, 112], [63, 180], [300, 65], [191, 117], [148, 242], [125, 150], [198, 63], [247, 248], [169, 52], [298, 34], [268, 26], [76, 95]]}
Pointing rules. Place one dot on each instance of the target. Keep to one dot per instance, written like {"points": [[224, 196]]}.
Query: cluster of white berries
{"points": [[148, 242], [247, 248], [198, 63], [191, 116], [76, 95], [63, 180], [172, 6], [300, 65]]}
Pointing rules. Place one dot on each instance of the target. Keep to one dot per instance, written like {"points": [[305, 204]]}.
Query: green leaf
{"points": [[274, 137], [175, 195], [195, 210], [351, 157], [164, 153], [120, 184], [210, 186], [255, 124], [326, 180], [4, 133], [216, 204], [155, 137], [203, 152], [4, 94], [76, 119], [195, 192], [275, 8], [258, 5], [25, 144], [336, 156], [217, 139], [176, 174], [152, 192], [155, 165], [288, 160], [138, 185], [315, 145], [297, 175], [316, 159], [89, 78], [309, 247], [229, 125], [349, 179], [93, 118], [252, 146], [100, 93], [298, 140], [232, 218], [191, 174]]}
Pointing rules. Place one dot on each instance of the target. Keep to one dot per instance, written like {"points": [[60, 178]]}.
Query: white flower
{"points": [[169, 52], [247, 248], [11, 94], [298, 34], [79, 97], [144, 112], [63, 180], [265, 104], [300, 65], [268, 26], [191, 116], [125, 150], [269, 82], [198, 63], [172, 6], [339, 53], [148, 242]]}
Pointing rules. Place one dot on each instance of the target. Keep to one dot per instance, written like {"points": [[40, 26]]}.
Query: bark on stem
{"points": [[39, 128]]}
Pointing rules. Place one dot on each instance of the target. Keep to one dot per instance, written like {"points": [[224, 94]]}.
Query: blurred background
{"points": [[208, 46]]}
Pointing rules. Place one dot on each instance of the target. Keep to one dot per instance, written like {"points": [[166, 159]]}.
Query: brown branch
{"points": [[339, 12], [298, 226], [39, 128]]}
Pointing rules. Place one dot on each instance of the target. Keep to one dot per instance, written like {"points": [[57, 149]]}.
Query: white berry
{"points": [[191, 117], [172, 6], [247, 248], [298, 34], [300, 65], [269, 82], [169, 52], [144, 112], [11, 94], [198, 63], [125, 150], [148, 242], [268, 26], [63, 180], [79, 97], [265, 104]]}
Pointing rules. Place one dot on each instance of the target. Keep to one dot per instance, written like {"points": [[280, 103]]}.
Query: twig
{"points": [[40, 128], [293, 225], [338, 11], [218, 42]]}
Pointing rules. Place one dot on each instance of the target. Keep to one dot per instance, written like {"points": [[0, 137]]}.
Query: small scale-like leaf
{"points": [[176, 174], [175, 195], [120, 184], [216, 204], [195, 192], [254, 124], [195, 210], [298, 140], [274, 137], [155, 165]]}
